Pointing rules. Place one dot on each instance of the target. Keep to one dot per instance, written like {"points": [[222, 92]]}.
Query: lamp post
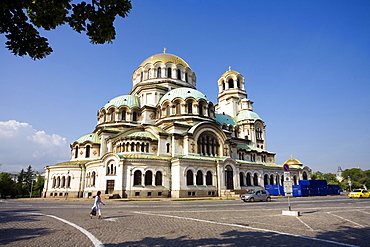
{"points": [[31, 186], [349, 183], [68, 184]]}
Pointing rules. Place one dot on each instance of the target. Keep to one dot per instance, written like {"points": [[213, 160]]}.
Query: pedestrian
{"points": [[96, 206]]}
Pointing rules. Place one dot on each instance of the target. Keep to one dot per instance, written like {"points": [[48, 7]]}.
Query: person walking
{"points": [[96, 206]]}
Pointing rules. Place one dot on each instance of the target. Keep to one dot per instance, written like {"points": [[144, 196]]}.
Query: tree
{"points": [[39, 185], [317, 176], [19, 20], [7, 185]]}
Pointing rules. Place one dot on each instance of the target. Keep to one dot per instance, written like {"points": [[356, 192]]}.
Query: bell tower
{"points": [[232, 96]]}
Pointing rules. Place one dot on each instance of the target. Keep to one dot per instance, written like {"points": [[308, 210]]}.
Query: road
{"points": [[324, 221]]}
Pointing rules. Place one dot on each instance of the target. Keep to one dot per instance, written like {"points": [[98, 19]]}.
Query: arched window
{"points": [[63, 182], [134, 116], [87, 153], [231, 83], [208, 145], [123, 115], [168, 147], [266, 179], [199, 178], [148, 177], [304, 176], [76, 152], [158, 178], [93, 179], [137, 177], [189, 178], [295, 180], [238, 83], [277, 180], [54, 181], [159, 72], [69, 181], [179, 74], [190, 107], [177, 109], [58, 182], [241, 177], [141, 76], [168, 110], [169, 73], [200, 108], [186, 77], [223, 85], [272, 179], [255, 179], [148, 73], [249, 180], [209, 178]]}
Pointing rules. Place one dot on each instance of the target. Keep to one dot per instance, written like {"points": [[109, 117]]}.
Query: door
{"points": [[110, 187], [229, 178]]}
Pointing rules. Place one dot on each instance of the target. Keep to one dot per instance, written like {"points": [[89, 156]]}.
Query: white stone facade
{"points": [[166, 139]]}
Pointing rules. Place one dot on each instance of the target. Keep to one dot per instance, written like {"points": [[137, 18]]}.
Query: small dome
{"points": [[124, 100], [182, 93], [293, 162], [247, 115], [92, 137], [164, 58], [224, 119], [230, 72]]}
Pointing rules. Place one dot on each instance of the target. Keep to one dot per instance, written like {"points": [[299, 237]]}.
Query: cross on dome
{"points": [[164, 50]]}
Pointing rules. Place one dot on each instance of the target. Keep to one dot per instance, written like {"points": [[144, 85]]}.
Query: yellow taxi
{"points": [[359, 193]]}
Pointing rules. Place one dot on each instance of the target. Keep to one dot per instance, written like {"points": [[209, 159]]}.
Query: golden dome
{"points": [[230, 72], [164, 58], [293, 162]]}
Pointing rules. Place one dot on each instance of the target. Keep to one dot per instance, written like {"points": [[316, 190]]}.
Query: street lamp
{"points": [[349, 183], [31, 186]]}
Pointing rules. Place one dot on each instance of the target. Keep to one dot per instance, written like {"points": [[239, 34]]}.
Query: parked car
{"points": [[359, 193], [256, 195]]}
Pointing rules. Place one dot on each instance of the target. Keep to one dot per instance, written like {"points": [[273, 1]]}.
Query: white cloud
{"points": [[21, 145]]}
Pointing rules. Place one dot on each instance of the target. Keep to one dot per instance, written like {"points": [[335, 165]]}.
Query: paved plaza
{"points": [[324, 221]]}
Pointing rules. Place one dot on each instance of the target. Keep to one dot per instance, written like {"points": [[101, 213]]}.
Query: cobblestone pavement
{"points": [[324, 221]]}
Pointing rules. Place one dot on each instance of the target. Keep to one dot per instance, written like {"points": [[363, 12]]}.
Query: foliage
{"points": [[317, 176], [19, 20], [357, 177], [39, 185], [7, 185]]}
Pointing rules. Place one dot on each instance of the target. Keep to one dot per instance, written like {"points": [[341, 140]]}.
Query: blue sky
{"points": [[306, 65]]}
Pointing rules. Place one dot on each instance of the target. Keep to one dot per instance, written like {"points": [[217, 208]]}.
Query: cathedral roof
{"points": [[142, 134], [224, 119], [124, 100], [247, 115], [92, 137], [183, 93], [165, 58]]}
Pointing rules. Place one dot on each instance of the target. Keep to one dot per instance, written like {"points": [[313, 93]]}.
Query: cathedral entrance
{"points": [[110, 187], [229, 178]]}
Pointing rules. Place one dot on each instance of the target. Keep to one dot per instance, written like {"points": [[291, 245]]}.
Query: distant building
{"points": [[166, 139], [339, 174]]}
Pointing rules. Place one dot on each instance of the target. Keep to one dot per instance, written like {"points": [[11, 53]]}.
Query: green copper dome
{"points": [[183, 93], [224, 119], [93, 137], [247, 115], [124, 100]]}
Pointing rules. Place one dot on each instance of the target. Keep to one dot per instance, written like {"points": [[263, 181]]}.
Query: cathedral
{"points": [[166, 139]]}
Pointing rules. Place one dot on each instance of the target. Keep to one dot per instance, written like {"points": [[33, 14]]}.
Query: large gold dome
{"points": [[164, 58]]}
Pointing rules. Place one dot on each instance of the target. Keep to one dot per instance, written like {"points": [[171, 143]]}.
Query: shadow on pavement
{"points": [[347, 235]]}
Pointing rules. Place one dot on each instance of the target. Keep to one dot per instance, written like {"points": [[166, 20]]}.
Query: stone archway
{"points": [[229, 178]]}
